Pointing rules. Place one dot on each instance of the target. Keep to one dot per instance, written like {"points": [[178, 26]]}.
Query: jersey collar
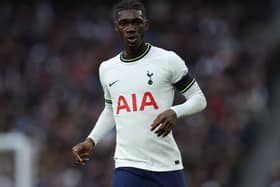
{"points": [[148, 47]]}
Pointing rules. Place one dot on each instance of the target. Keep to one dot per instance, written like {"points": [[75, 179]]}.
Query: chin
{"points": [[133, 45]]}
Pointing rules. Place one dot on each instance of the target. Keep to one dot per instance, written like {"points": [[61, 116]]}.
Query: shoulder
{"points": [[155, 50], [170, 55], [109, 63], [173, 61]]}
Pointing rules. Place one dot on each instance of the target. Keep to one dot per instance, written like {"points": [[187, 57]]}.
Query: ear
{"points": [[146, 24], [116, 28]]}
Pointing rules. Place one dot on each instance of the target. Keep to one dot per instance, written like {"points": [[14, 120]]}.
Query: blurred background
{"points": [[50, 52]]}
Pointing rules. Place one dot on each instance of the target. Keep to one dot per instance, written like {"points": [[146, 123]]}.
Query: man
{"points": [[138, 88]]}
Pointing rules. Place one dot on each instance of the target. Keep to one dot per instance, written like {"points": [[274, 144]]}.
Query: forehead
{"points": [[130, 14]]}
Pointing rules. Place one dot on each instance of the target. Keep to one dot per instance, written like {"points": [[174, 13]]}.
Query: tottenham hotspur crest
{"points": [[150, 81]]}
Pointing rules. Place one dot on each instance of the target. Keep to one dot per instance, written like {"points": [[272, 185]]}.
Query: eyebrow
{"points": [[130, 19]]}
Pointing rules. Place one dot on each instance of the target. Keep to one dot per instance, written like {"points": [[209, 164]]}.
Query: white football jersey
{"points": [[139, 89]]}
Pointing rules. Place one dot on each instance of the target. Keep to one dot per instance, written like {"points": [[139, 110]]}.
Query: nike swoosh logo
{"points": [[111, 84]]}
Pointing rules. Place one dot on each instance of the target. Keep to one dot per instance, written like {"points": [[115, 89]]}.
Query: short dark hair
{"points": [[128, 4]]}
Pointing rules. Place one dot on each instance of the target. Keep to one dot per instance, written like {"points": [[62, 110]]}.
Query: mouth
{"points": [[132, 39]]}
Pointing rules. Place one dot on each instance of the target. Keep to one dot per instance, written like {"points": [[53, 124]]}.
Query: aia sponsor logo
{"points": [[147, 100]]}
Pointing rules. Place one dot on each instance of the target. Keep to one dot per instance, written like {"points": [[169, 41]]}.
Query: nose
{"points": [[130, 28]]}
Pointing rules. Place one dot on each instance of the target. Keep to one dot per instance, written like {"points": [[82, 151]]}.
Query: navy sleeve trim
{"points": [[184, 84], [108, 101]]}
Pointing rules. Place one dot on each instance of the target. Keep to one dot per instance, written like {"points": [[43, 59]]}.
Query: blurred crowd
{"points": [[50, 52]]}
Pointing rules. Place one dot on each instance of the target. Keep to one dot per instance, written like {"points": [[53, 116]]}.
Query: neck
{"points": [[133, 52]]}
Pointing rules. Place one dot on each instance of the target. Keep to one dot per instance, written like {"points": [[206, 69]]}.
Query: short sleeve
{"points": [[177, 67], [107, 95], [179, 73]]}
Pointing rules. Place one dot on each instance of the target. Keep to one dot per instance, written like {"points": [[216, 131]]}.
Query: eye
{"points": [[123, 22], [138, 21]]}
